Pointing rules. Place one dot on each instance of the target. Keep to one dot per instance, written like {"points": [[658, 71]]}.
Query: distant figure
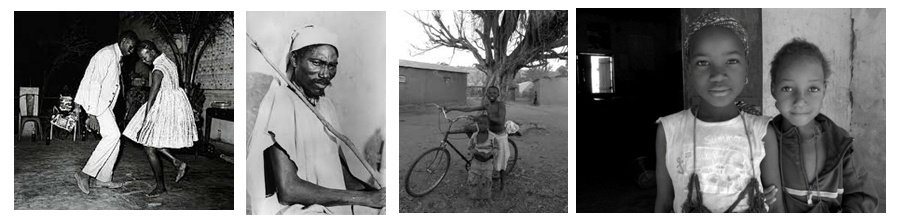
{"points": [[137, 93]]}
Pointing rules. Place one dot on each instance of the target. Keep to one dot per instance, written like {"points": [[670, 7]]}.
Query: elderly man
{"points": [[97, 94], [294, 165]]}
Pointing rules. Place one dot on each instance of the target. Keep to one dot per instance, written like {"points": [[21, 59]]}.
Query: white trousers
{"points": [[102, 160], [504, 154]]}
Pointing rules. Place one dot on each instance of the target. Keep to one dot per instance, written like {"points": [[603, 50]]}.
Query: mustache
{"points": [[322, 81]]}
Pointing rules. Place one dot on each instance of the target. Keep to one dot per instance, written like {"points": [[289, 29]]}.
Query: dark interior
{"points": [[616, 128]]}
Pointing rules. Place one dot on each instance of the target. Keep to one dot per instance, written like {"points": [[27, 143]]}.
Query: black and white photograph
{"points": [[124, 110], [483, 117], [315, 113], [731, 110]]}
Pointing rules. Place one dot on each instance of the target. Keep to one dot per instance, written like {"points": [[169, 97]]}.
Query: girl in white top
{"points": [[735, 150]]}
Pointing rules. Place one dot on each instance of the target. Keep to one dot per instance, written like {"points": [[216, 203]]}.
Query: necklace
{"points": [[755, 201], [816, 186]]}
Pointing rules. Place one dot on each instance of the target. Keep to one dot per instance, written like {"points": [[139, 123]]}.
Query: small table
{"points": [[218, 113]]}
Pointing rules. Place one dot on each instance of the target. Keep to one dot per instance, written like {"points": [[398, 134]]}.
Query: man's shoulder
{"points": [[106, 52]]}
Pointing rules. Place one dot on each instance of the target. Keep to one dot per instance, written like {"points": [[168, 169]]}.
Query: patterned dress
{"points": [[170, 122]]}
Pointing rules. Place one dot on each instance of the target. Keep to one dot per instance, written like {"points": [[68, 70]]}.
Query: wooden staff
{"points": [[283, 77]]}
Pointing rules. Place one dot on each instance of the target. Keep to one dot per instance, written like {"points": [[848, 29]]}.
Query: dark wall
{"points": [[620, 127], [40, 44], [648, 73], [431, 86]]}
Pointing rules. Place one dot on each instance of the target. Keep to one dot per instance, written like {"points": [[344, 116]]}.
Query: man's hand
{"points": [[770, 195], [376, 199], [92, 123]]}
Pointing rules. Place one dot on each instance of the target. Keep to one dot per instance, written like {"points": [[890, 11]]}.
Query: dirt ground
{"points": [[537, 184], [43, 180]]}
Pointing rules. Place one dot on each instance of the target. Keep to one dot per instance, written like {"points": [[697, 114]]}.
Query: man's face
{"points": [[492, 94], [127, 46], [315, 70]]}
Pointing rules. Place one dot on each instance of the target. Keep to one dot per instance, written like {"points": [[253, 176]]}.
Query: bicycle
{"points": [[434, 163]]}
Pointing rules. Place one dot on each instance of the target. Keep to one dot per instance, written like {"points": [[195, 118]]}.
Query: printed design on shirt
{"points": [[724, 166]]}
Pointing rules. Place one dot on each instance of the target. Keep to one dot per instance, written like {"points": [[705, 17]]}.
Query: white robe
{"points": [[308, 144]]}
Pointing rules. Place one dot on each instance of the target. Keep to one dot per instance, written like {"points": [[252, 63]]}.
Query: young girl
{"points": [[815, 153], [712, 157], [166, 120]]}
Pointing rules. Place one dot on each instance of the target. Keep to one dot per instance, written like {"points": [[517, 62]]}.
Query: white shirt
{"points": [[723, 165]]}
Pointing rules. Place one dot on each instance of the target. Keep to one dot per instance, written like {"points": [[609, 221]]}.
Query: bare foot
{"points": [[157, 191], [182, 170]]}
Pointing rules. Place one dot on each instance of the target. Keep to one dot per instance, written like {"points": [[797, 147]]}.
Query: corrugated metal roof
{"points": [[430, 66]]}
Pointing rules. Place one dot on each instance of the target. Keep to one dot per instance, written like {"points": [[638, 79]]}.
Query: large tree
{"points": [[199, 31], [503, 42]]}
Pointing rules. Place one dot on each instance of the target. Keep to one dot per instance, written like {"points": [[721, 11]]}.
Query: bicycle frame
{"points": [[446, 141]]}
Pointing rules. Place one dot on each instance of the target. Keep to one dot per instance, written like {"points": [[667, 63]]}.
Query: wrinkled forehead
{"points": [[324, 52]]}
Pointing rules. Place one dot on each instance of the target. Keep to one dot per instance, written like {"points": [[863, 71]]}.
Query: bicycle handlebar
{"points": [[451, 120]]}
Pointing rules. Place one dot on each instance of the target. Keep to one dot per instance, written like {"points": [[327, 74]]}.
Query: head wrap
{"points": [[311, 35], [719, 20]]}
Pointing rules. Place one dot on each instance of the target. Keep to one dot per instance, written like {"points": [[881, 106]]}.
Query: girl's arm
{"points": [[770, 169], [155, 82], [664, 200]]}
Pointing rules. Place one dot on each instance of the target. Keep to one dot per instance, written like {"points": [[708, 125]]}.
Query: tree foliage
{"points": [[199, 30], [502, 42]]}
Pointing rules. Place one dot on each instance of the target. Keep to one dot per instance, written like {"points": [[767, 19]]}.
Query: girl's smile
{"points": [[799, 89]]}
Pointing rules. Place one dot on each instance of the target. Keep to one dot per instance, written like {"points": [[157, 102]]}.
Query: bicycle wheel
{"points": [[427, 172], [512, 157]]}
